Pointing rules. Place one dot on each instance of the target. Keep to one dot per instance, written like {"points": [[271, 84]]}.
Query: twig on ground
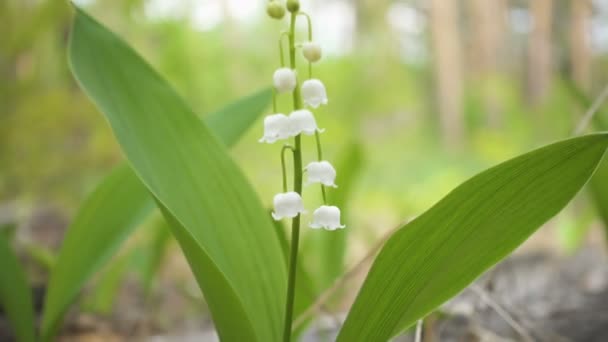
{"points": [[591, 112], [503, 313], [419, 331]]}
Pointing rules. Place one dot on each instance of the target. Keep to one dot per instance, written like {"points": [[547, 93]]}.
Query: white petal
{"points": [[327, 217], [287, 205], [303, 121], [276, 127], [284, 80], [321, 172], [314, 93]]}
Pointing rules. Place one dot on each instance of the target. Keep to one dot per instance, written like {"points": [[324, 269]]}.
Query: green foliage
{"points": [[101, 299], [104, 221], [15, 295], [439, 253], [217, 219], [598, 187], [329, 250], [153, 252]]}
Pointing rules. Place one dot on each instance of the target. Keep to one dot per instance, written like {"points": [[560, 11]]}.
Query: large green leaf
{"points": [[213, 211], [152, 253], [15, 295], [598, 186], [103, 222], [439, 253]]}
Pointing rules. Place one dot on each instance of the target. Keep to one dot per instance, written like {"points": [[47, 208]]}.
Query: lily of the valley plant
{"points": [[290, 129], [239, 267]]}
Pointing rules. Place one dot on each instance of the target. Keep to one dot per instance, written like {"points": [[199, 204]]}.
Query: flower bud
{"points": [[284, 80], [275, 9], [312, 51], [293, 6], [287, 205], [314, 93], [327, 217]]}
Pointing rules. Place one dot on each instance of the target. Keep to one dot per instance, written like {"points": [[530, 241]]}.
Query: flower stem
{"points": [[297, 179], [283, 168], [282, 58], [320, 158], [308, 21]]}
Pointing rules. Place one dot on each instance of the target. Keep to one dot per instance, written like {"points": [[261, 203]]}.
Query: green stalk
{"points": [[297, 179]]}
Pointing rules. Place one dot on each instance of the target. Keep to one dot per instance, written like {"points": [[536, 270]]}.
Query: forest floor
{"points": [[536, 294]]}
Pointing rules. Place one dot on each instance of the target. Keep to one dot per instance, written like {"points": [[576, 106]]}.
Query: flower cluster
{"points": [[300, 121]]}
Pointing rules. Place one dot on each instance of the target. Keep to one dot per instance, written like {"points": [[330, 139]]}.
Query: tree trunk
{"points": [[580, 49], [448, 69], [539, 50], [487, 48]]}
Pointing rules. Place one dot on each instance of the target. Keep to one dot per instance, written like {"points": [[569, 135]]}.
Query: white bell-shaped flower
{"points": [[313, 93], [303, 121], [312, 51], [321, 172], [287, 205], [276, 127], [327, 217], [284, 80]]}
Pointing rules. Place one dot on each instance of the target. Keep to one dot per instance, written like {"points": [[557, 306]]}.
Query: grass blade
{"points": [[15, 294]]}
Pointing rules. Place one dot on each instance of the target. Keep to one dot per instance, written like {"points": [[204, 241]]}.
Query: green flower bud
{"points": [[311, 51], [275, 9], [293, 6]]}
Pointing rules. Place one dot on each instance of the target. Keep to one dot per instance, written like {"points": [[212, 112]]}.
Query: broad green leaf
{"points": [[598, 186], [153, 252], [103, 222], [110, 221], [216, 217], [476, 225], [103, 296], [15, 294], [98, 215]]}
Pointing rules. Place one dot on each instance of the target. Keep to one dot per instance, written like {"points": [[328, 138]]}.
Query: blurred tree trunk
{"points": [[445, 32], [370, 20], [539, 50], [488, 39], [488, 31], [580, 49]]}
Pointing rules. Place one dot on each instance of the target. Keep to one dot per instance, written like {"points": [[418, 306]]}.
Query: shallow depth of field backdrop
{"points": [[427, 93]]}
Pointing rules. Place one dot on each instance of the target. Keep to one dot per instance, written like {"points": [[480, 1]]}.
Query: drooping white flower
{"points": [[312, 51], [321, 172], [313, 93], [287, 205], [284, 80], [327, 217], [303, 121], [276, 127]]}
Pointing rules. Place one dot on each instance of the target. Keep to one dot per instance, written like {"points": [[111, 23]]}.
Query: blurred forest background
{"points": [[427, 92]]}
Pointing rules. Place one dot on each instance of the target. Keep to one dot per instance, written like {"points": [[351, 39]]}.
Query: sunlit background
{"points": [[426, 95]]}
